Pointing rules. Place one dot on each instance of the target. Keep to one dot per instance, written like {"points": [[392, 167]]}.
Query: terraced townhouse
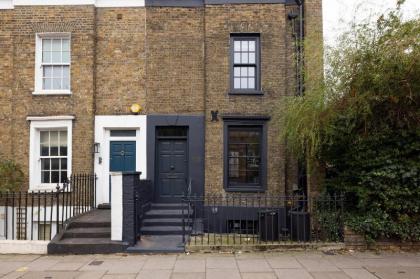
{"points": [[183, 93]]}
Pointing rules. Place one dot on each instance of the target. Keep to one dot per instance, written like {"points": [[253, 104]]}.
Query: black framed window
{"points": [[245, 64], [245, 155]]}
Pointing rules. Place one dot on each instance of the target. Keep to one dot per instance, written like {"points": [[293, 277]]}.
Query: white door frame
{"points": [[103, 125]]}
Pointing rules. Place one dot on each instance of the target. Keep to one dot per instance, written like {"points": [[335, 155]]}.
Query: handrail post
{"points": [[57, 195]]}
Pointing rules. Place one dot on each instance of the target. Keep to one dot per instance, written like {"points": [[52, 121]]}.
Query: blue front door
{"points": [[123, 156]]}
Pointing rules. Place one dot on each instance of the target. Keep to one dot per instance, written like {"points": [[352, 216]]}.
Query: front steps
{"points": [[162, 229], [87, 234]]}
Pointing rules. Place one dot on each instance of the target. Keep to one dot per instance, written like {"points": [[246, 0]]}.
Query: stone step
{"points": [[169, 206], [86, 246], [87, 224], [164, 222], [152, 244], [166, 213], [99, 232], [164, 230]]}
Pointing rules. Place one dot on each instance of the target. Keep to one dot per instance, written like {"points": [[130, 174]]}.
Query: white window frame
{"points": [[38, 64], [41, 124]]}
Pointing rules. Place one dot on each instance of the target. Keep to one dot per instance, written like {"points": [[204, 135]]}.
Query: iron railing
{"points": [[216, 220], [39, 215]]}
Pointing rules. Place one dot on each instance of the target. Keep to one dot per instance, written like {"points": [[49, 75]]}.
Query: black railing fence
{"points": [[39, 215], [261, 220]]}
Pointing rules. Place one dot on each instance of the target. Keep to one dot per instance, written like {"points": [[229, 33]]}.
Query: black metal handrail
{"points": [[39, 215], [236, 219]]}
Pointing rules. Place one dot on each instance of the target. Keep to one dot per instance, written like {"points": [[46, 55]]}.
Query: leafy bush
{"points": [[363, 123], [11, 176]]}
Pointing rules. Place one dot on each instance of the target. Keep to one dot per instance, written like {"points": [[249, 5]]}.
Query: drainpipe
{"points": [[300, 3]]}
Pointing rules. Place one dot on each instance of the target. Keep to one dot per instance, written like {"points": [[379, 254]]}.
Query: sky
{"points": [[339, 14]]}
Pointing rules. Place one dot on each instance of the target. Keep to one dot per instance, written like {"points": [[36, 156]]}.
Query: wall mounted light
{"points": [[214, 116], [96, 146], [135, 108]]}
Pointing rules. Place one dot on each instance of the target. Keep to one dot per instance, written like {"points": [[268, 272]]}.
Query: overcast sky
{"points": [[339, 14]]}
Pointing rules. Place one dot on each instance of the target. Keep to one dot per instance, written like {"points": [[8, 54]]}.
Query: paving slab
{"points": [[318, 265], [6, 267], [283, 262], [359, 273], [159, 262], [222, 273], [66, 266], [395, 273], [254, 265], [221, 263], [259, 275], [154, 274], [50, 274], [119, 276], [91, 275], [330, 275], [190, 266], [188, 275], [292, 274]]}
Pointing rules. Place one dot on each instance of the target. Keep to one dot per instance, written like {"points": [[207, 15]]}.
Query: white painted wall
{"points": [[116, 206], [103, 125], [23, 247]]}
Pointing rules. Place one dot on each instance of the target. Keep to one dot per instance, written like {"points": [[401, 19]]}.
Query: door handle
{"points": [[172, 167]]}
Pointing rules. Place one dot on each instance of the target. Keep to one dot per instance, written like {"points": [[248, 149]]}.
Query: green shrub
{"points": [[11, 176], [363, 123]]}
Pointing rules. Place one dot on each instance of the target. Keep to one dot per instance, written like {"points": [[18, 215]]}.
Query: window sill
{"points": [[52, 92], [47, 187], [247, 93]]}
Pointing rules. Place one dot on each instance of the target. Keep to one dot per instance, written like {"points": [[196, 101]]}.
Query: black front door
{"points": [[172, 167]]}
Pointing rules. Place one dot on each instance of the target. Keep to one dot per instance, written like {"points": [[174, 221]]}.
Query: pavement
{"points": [[293, 265]]}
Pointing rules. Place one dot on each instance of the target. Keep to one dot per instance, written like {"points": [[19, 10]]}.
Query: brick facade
{"points": [[171, 60]]}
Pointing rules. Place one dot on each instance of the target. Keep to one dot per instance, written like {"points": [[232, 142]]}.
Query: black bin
{"points": [[300, 226], [269, 225]]}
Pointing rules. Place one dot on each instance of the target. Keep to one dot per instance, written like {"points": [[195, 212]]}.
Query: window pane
{"points": [[244, 46], [46, 56], [63, 163], [55, 177], [63, 143], [251, 82], [57, 71], [237, 59], [123, 133], [244, 150], [251, 45], [244, 58], [45, 177], [237, 71], [66, 44], [47, 71], [44, 232], [63, 177], [244, 71], [237, 83], [56, 83], [252, 58], [55, 164], [237, 45], [45, 164], [47, 83], [53, 143], [56, 45], [46, 44], [251, 72], [44, 142], [56, 57], [244, 83], [66, 57]]}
